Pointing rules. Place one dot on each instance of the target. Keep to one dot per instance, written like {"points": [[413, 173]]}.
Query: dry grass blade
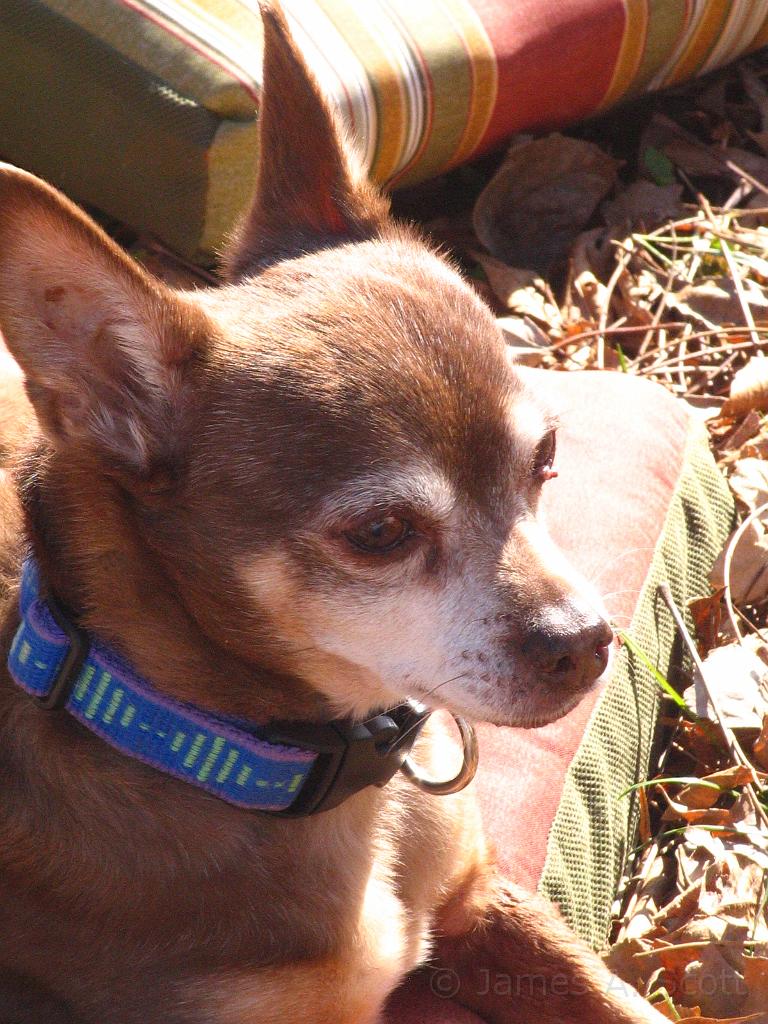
{"points": [[714, 228]]}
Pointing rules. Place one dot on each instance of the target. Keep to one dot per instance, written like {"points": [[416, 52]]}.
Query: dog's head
{"points": [[328, 461]]}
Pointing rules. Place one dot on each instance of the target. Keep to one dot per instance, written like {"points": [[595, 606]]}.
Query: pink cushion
{"points": [[621, 447]]}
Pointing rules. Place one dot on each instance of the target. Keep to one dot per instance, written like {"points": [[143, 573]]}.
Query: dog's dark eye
{"points": [[544, 457], [379, 536]]}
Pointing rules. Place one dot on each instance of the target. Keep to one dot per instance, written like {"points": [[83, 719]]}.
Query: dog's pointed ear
{"points": [[102, 345], [311, 189]]}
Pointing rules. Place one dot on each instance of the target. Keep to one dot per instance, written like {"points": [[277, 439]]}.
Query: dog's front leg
{"points": [[511, 958]]}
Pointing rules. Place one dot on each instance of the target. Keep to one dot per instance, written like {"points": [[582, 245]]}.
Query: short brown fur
{"points": [[202, 461]]}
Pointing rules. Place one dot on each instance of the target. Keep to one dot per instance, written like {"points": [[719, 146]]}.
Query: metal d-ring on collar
{"points": [[464, 775]]}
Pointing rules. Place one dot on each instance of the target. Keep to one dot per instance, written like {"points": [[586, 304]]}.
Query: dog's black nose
{"points": [[568, 647]]}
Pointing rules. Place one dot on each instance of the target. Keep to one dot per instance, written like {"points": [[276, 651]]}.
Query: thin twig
{"points": [[694, 336], [697, 944], [682, 350], [732, 347], [613, 280], [757, 185], [751, 625]]}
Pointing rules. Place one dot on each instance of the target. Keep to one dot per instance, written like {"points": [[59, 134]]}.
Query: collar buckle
{"points": [[71, 666], [351, 756]]}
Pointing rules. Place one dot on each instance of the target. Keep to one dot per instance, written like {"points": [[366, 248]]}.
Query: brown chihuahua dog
{"points": [[278, 512]]}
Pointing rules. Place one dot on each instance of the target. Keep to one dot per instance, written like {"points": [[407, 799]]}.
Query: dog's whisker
{"points": [[596, 576], [424, 697], [445, 682], [620, 621], [428, 694], [616, 593]]}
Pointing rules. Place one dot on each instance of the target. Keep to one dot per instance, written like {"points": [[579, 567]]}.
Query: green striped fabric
{"points": [[147, 108]]}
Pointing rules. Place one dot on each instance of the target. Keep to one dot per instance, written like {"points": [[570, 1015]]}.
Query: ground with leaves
{"points": [[639, 243]]}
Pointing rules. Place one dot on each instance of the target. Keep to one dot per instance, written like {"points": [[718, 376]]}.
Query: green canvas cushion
{"points": [[638, 500]]}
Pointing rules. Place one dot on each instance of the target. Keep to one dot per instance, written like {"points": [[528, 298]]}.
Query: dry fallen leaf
{"points": [[594, 251], [684, 904], [652, 892], [707, 613], [749, 481], [742, 431], [702, 742], [522, 292], [739, 678], [698, 797], [713, 984], [642, 204], [695, 815], [705, 848], [749, 388], [756, 980], [633, 313], [760, 746], [716, 301], [728, 778], [701, 796], [541, 197], [749, 566], [623, 961], [526, 342], [672, 1012]]}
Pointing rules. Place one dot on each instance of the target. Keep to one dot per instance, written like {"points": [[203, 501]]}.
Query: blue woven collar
{"points": [[294, 769]]}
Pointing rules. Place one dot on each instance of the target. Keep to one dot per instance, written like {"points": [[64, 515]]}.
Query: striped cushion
{"points": [[146, 108]]}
